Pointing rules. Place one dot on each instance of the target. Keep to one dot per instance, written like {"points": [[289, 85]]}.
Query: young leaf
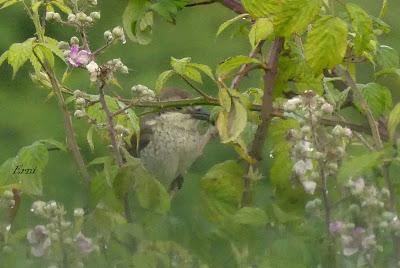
{"points": [[231, 124], [183, 68], [229, 65], [353, 167], [260, 8], [378, 98], [260, 30], [326, 43], [228, 23], [387, 57], [18, 54], [394, 120], [251, 216], [3, 57], [362, 26]]}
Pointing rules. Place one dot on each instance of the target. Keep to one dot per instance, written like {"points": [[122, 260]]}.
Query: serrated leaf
{"points": [[150, 193], [229, 65], [362, 26], [55, 143], [203, 68], [137, 22], [228, 23], [225, 99], [387, 57], [251, 216], [62, 6], [162, 79], [231, 124], [222, 189], [393, 121], [326, 43], [18, 54], [260, 8], [260, 30], [3, 57], [378, 98], [183, 67], [356, 166], [8, 3]]}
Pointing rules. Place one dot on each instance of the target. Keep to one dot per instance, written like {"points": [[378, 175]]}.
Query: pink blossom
{"points": [[78, 57]]}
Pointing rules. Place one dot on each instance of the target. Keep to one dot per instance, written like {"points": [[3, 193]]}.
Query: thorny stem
{"points": [[378, 147], [233, 5], [198, 90], [325, 197], [114, 145], [266, 113], [69, 129]]}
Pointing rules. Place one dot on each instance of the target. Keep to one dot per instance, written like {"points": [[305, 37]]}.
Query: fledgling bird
{"points": [[171, 141]]}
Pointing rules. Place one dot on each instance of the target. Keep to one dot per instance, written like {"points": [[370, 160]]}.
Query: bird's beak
{"points": [[200, 113]]}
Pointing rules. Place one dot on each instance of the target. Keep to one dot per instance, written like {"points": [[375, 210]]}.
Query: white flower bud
{"points": [[291, 105], [89, 19], [81, 17], [124, 69], [57, 17], [74, 40], [49, 15], [95, 15], [71, 18], [92, 67], [118, 32], [327, 108], [309, 186], [79, 212], [8, 194], [80, 101], [63, 46], [93, 2], [79, 114], [347, 132], [108, 36], [337, 130]]}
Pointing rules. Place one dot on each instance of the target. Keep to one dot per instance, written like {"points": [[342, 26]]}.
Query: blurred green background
{"points": [[25, 116]]}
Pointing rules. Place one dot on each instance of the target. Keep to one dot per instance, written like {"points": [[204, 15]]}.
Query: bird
{"points": [[171, 141]]}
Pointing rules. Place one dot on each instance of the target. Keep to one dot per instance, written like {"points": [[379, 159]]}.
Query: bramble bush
{"points": [[328, 196]]}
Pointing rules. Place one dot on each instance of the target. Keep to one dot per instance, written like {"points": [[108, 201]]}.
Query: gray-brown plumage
{"points": [[171, 141]]}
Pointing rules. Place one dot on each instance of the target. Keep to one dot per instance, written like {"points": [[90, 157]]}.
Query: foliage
{"points": [[312, 183]]}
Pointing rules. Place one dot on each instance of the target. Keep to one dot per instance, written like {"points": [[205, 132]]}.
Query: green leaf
{"points": [[356, 166], [326, 43], [138, 22], [288, 252], [362, 26], [169, 8], [231, 124], [225, 99], [260, 8], [387, 57], [293, 16], [260, 30], [203, 68], [89, 138], [229, 65], [162, 79], [3, 57], [150, 193], [378, 98], [393, 121], [59, 145], [18, 54], [7, 3], [183, 68], [62, 6], [222, 189], [251, 216], [228, 23]]}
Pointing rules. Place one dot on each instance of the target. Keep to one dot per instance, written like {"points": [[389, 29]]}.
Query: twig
{"points": [[200, 3], [246, 68], [115, 148], [111, 130], [69, 129], [198, 90], [233, 5], [266, 113]]}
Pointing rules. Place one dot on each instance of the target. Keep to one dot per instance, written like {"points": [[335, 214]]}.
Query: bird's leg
{"points": [[175, 185]]}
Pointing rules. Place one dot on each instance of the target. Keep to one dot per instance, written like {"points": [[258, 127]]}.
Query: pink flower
{"points": [[335, 227], [84, 244], [78, 57]]}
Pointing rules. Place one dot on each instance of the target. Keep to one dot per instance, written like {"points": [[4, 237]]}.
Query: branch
{"points": [[233, 5], [266, 113], [111, 130], [246, 68], [69, 129], [200, 3]]}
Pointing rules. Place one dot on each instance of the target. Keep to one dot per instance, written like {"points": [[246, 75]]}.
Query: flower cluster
{"points": [[316, 148], [143, 93], [46, 239]]}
